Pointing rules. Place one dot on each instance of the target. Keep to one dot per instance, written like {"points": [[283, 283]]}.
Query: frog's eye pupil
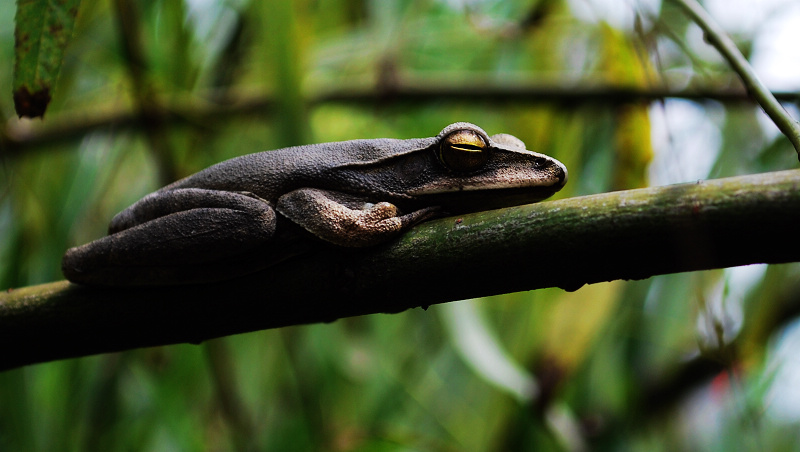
{"points": [[463, 150]]}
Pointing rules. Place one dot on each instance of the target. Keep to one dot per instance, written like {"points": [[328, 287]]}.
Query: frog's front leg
{"points": [[181, 236], [347, 220]]}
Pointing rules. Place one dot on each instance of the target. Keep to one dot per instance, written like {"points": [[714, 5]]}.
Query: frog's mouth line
{"points": [[492, 188], [551, 180], [455, 202]]}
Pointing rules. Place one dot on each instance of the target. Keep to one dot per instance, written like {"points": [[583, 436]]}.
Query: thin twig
{"points": [[717, 37], [18, 137]]}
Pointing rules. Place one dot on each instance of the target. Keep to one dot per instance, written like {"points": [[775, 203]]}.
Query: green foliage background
{"points": [[621, 365]]}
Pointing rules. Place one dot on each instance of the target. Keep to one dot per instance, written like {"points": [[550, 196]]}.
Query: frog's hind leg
{"points": [[185, 236], [162, 203]]}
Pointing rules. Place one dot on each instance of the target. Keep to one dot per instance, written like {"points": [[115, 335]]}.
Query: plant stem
{"points": [[717, 37]]}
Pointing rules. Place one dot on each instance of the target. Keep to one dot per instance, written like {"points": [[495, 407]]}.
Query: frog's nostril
{"points": [[563, 175]]}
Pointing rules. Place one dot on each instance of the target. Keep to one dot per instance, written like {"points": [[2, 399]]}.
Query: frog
{"points": [[254, 211]]}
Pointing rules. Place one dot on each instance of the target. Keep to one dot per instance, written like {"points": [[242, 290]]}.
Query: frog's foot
{"points": [[194, 242], [345, 220]]}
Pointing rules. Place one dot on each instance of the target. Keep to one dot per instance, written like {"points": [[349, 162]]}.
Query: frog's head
{"points": [[462, 169], [468, 170]]}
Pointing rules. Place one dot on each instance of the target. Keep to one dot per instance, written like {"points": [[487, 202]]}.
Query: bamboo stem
{"points": [[717, 37]]}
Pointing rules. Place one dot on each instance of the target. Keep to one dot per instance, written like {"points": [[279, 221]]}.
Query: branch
{"points": [[717, 37], [566, 243], [17, 136]]}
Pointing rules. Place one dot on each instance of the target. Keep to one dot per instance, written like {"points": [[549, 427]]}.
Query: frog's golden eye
{"points": [[463, 150]]}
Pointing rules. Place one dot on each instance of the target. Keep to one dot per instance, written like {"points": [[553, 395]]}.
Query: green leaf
{"points": [[43, 30]]}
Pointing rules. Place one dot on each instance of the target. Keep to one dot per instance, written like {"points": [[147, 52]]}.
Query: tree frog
{"points": [[250, 212]]}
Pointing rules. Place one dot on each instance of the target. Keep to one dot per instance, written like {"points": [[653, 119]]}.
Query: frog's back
{"points": [[271, 173]]}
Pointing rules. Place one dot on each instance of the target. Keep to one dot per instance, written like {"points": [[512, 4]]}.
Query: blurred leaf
{"points": [[282, 59], [43, 31], [625, 63], [481, 350], [17, 429], [634, 150], [576, 318]]}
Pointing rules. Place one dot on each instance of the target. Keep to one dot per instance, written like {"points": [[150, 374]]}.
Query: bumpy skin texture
{"points": [[243, 214]]}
